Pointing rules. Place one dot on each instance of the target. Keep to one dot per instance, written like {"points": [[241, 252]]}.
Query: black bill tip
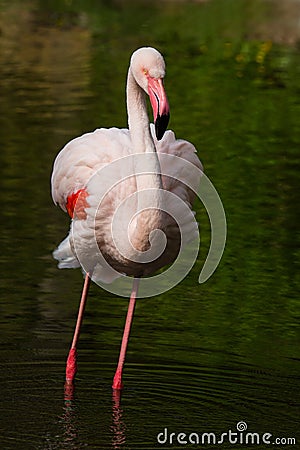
{"points": [[161, 124]]}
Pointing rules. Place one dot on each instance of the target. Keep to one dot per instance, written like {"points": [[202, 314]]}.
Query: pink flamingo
{"points": [[82, 157]]}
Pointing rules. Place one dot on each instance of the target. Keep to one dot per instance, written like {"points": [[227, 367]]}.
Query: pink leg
{"points": [[71, 367], [117, 382]]}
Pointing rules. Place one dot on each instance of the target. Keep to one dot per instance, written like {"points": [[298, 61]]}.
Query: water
{"points": [[201, 358]]}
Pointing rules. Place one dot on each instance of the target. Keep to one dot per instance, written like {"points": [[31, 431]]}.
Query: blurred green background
{"points": [[200, 355]]}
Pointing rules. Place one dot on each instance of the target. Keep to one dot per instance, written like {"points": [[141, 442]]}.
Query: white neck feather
{"points": [[142, 142]]}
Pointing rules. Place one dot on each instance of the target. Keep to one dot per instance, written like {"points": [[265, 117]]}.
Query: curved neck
{"points": [[142, 142], [138, 120]]}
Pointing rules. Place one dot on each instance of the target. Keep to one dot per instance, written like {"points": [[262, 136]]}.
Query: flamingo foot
{"points": [[69, 390], [71, 367], [117, 381]]}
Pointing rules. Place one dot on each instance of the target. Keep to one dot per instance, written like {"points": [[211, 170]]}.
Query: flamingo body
{"points": [[76, 164]]}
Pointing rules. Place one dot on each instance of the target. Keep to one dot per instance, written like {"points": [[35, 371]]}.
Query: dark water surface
{"points": [[201, 357]]}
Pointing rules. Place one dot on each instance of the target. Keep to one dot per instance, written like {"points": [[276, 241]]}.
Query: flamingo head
{"points": [[148, 68]]}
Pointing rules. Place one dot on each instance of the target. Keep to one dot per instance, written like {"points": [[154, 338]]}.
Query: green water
{"points": [[201, 357]]}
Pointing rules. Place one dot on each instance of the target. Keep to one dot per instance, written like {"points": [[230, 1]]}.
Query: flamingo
{"points": [[82, 157]]}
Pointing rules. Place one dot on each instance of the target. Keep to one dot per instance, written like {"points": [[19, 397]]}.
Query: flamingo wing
{"points": [[81, 158]]}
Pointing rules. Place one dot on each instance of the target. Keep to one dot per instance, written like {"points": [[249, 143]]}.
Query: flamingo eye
{"points": [[145, 72]]}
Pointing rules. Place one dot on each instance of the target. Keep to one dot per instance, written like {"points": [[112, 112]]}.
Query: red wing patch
{"points": [[76, 204]]}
